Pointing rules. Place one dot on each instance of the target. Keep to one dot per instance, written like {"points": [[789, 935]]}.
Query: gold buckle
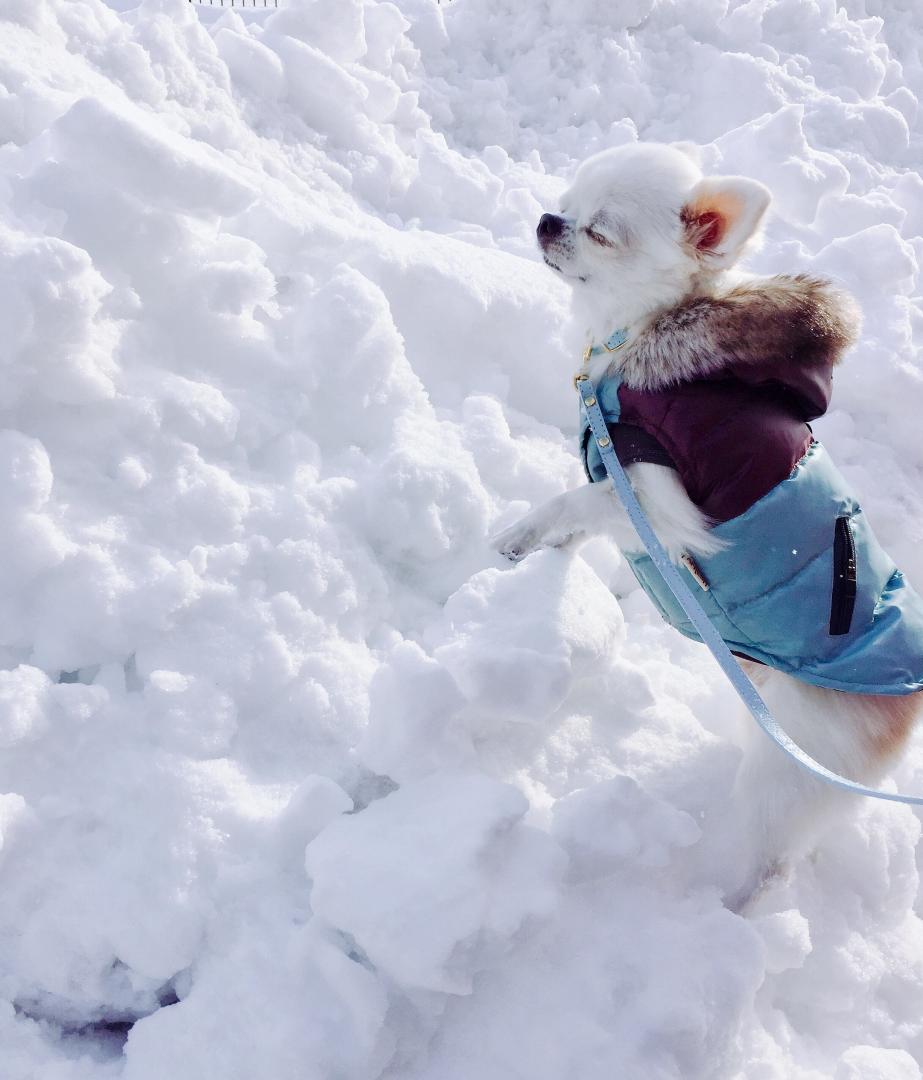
{"points": [[581, 375]]}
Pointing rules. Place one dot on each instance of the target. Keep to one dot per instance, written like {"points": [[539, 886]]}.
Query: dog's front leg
{"points": [[595, 509], [568, 518]]}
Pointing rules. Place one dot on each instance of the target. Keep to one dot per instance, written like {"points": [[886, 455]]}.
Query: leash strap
{"points": [[693, 609]]}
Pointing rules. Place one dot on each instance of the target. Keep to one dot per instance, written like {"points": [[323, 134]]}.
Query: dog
{"points": [[716, 375]]}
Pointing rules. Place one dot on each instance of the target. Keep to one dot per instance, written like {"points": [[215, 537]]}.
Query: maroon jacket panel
{"points": [[733, 436]]}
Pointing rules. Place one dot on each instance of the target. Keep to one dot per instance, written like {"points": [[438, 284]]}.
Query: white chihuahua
{"points": [[714, 383]]}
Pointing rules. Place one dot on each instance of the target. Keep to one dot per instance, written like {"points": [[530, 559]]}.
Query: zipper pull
{"points": [[700, 579]]}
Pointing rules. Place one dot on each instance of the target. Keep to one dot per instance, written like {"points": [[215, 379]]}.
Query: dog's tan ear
{"points": [[722, 214]]}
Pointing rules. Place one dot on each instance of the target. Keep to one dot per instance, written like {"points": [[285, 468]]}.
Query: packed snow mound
{"points": [[298, 779]]}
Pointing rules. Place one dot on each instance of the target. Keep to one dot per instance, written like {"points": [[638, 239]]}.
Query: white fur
{"points": [[594, 510], [632, 248], [634, 197]]}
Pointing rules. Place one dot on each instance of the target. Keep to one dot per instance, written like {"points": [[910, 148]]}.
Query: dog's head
{"points": [[640, 227]]}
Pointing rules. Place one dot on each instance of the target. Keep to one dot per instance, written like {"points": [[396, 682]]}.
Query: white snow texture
{"points": [[299, 780]]}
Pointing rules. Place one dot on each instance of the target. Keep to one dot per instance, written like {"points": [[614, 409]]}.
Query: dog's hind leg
{"points": [[778, 810]]}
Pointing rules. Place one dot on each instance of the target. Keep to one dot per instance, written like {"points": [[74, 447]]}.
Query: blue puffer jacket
{"points": [[803, 585]]}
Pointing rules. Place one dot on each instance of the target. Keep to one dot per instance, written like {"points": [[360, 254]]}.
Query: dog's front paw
{"points": [[529, 534], [514, 543]]}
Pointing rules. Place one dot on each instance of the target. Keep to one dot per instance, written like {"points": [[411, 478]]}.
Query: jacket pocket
{"points": [[843, 598]]}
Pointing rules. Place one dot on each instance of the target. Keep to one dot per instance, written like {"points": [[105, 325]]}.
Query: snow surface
{"points": [[299, 780]]}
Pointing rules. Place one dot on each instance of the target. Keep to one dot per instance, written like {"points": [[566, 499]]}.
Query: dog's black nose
{"points": [[549, 226]]}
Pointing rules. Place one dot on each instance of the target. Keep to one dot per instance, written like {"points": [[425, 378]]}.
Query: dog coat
{"points": [[803, 584]]}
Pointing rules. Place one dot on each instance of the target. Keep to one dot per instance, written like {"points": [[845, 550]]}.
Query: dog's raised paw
{"points": [[515, 543], [531, 533], [513, 552]]}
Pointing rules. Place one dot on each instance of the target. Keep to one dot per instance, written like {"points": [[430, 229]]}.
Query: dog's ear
{"points": [[721, 215]]}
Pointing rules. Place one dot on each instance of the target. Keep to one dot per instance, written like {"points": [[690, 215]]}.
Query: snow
{"points": [[297, 778]]}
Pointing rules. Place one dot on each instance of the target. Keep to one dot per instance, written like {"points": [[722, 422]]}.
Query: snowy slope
{"points": [[298, 781]]}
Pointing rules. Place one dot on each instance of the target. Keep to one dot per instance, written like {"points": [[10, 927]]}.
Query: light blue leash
{"points": [[734, 672]]}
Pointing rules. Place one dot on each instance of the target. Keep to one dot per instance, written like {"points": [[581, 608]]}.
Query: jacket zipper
{"points": [[843, 599]]}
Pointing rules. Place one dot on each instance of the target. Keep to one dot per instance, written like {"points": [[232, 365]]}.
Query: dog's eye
{"points": [[597, 237]]}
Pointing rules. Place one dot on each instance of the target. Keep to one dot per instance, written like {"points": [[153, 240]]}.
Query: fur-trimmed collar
{"points": [[776, 323]]}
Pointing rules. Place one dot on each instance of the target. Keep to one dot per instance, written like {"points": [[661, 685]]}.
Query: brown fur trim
{"points": [[778, 321]]}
